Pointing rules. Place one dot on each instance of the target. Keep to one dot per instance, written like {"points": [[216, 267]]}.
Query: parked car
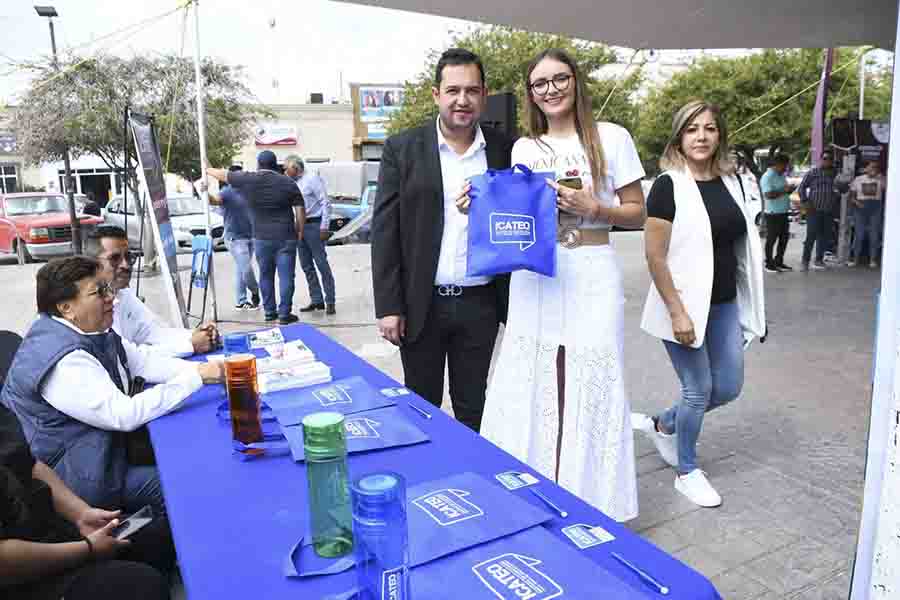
{"points": [[186, 213], [37, 225], [345, 209]]}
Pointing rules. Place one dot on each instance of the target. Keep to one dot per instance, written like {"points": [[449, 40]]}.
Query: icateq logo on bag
{"points": [[509, 228], [392, 584], [448, 506], [516, 577], [334, 394], [361, 428]]}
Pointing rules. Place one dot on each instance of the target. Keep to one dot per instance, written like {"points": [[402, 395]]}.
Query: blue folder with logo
{"points": [[443, 517], [368, 430], [346, 396]]}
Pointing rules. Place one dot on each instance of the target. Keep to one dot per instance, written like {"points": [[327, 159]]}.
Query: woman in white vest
{"points": [[557, 400], [706, 301]]}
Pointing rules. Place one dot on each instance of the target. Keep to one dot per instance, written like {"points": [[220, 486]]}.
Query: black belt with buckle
{"points": [[452, 290]]}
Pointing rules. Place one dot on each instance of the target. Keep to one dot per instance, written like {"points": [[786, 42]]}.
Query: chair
{"points": [[9, 343]]}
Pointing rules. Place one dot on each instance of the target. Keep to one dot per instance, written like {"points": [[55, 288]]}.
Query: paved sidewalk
{"points": [[787, 457]]}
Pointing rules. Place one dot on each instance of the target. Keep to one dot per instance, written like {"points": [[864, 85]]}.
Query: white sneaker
{"points": [[666, 444], [695, 486]]}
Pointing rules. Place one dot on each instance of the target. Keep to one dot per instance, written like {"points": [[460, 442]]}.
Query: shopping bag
{"points": [[346, 396], [443, 517], [368, 430], [512, 223]]}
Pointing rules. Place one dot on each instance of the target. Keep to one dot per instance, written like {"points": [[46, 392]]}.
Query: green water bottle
{"points": [[330, 515]]}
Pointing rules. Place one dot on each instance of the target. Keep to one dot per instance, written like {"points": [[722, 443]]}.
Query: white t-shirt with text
{"points": [[565, 157]]}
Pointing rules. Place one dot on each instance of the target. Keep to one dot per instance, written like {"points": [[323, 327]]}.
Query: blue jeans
{"points": [[711, 376], [818, 231], [242, 253], [867, 220], [312, 255], [280, 256], [142, 487]]}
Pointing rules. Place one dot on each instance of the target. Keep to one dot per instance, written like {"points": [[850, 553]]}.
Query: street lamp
{"points": [[49, 12]]}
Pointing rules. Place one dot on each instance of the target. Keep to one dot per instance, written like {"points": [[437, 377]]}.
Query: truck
{"points": [[352, 187]]}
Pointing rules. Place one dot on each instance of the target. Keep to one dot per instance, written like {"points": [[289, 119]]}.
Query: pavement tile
{"points": [[702, 560], [732, 585], [796, 566]]}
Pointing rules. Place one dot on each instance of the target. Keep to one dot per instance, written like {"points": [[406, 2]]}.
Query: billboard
{"points": [[276, 134], [376, 104], [154, 184]]}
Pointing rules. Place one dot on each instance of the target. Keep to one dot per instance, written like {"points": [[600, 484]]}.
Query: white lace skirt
{"points": [[582, 308]]}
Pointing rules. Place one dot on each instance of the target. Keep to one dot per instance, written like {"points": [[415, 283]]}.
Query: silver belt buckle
{"points": [[450, 289], [569, 237]]}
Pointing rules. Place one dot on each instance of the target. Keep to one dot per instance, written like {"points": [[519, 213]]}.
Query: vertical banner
{"points": [[818, 119], [151, 177]]}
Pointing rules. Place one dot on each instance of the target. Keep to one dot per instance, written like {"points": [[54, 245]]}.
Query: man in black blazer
{"points": [[424, 301]]}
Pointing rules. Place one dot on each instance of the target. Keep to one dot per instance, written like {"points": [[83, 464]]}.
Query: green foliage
{"points": [[506, 53], [83, 108], [748, 86]]}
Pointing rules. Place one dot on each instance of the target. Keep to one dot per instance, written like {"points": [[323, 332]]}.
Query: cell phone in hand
{"points": [[133, 524], [571, 182]]}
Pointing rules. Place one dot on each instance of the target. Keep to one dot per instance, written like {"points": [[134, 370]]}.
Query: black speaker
{"points": [[316, 98], [500, 113]]}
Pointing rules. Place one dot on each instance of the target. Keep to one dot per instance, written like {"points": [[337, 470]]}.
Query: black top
{"points": [[26, 504], [725, 219], [272, 198]]}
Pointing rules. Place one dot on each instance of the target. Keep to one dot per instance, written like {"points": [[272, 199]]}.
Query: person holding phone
{"points": [[53, 544], [557, 400], [706, 301]]}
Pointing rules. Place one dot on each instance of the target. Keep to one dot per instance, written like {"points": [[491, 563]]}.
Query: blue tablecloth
{"points": [[234, 521]]}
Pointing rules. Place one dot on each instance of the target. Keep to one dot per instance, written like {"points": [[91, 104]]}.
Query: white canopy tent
{"points": [[685, 24]]}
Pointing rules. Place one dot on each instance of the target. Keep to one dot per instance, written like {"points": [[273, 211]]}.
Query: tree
{"points": [[83, 108], [505, 53], [748, 86]]}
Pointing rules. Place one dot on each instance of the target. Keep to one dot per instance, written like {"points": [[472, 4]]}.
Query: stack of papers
{"points": [[294, 376], [285, 356]]}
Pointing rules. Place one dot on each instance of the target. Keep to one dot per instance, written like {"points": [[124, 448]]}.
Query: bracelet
{"points": [[90, 544]]}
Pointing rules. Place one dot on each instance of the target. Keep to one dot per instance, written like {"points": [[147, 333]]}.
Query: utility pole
{"points": [[49, 12]]}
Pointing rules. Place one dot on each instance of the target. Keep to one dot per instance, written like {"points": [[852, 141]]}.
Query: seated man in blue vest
{"points": [[132, 320], [69, 386]]}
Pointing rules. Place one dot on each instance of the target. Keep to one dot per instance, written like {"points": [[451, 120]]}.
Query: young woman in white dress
{"points": [[557, 400]]}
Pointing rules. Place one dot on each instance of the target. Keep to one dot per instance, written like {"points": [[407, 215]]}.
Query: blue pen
{"points": [[549, 502], [648, 579]]}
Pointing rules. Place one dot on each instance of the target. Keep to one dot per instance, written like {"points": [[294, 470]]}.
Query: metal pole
{"points": [[862, 84], [76, 224], [201, 130]]}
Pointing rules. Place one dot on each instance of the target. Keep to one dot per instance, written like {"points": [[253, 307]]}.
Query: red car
{"points": [[37, 225]]}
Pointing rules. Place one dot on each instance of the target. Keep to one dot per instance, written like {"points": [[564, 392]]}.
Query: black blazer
{"points": [[408, 222]]}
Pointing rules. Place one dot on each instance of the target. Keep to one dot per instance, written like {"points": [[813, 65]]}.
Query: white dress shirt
{"points": [[455, 170], [134, 322], [315, 198], [80, 387]]}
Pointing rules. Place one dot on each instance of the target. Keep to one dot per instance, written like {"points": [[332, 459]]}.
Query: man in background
{"points": [[276, 206], [817, 192], [866, 195], [132, 319], [239, 240], [778, 205], [315, 233]]}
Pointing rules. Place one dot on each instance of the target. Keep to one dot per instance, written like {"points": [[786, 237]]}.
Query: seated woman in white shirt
{"points": [[69, 386], [132, 320]]}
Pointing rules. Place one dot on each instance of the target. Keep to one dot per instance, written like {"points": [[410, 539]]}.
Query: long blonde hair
{"points": [[673, 158], [584, 115]]}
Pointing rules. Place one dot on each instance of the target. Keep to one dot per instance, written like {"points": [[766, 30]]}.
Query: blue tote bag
{"points": [[512, 223], [368, 430], [346, 396]]}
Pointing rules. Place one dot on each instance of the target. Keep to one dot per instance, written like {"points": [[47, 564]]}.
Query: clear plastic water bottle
{"points": [[380, 536], [326, 473]]}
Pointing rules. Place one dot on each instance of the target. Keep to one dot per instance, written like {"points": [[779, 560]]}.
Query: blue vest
{"points": [[91, 461]]}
